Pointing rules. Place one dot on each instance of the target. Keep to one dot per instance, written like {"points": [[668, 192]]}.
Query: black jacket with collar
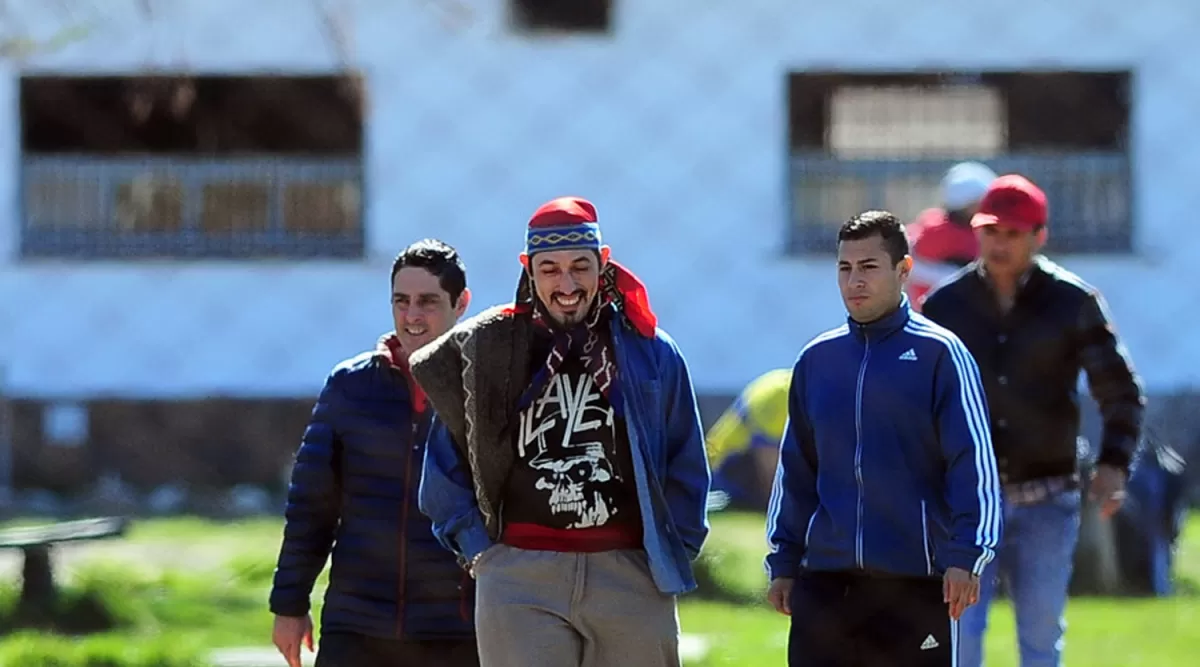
{"points": [[1030, 359]]}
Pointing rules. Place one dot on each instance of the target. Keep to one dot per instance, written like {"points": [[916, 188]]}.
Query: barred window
{"points": [[875, 140], [914, 121], [191, 168]]}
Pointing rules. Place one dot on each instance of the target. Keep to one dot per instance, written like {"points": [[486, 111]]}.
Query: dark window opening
{"points": [[1041, 110], [1067, 110], [196, 116], [562, 15]]}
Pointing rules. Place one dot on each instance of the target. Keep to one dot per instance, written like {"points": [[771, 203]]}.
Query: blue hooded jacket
{"points": [[670, 463]]}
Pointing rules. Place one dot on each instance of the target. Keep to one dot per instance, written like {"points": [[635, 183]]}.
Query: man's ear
{"points": [[464, 301], [605, 253], [524, 257], [906, 266], [1041, 237]]}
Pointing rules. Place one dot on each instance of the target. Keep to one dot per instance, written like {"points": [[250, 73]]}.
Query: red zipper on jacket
{"points": [[403, 532]]}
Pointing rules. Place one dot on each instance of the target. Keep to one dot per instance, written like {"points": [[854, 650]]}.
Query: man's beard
{"points": [[578, 318]]}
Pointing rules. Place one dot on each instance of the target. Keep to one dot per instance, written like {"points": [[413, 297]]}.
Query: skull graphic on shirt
{"points": [[562, 427]]}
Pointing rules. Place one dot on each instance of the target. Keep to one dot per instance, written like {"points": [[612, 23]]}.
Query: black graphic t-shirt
{"points": [[573, 467]]}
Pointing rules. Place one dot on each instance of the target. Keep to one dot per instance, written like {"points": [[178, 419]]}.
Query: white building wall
{"points": [[675, 127]]}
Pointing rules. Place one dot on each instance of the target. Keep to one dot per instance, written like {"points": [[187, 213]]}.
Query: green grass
{"points": [[103, 650], [1101, 632], [164, 618], [179, 587]]}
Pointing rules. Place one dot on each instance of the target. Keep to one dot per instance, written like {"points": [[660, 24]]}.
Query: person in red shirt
{"points": [[942, 240]]}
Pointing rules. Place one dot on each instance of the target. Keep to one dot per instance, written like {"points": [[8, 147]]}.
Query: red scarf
{"points": [[390, 349], [622, 294]]}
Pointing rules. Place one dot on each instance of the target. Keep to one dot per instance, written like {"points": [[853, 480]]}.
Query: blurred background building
{"points": [[200, 199]]}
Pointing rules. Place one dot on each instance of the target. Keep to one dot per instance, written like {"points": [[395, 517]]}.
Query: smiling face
{"points": [[421, 308], [567, 282]]}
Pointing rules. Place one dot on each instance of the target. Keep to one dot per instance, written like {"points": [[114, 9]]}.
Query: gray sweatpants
{"points": [[553, 609]]}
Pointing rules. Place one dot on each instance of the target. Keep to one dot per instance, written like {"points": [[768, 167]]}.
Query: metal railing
{"points": [[168, 207], [1089, 193]]}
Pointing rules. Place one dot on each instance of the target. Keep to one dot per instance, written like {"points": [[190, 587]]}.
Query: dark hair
{"points": [[438, 258], [877, 223]]}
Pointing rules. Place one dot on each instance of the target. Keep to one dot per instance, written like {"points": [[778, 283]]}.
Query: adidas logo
{"points": [[929, 642], [910, 355]]}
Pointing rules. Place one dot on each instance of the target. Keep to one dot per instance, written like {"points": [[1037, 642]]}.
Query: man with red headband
{"points": [[567, 469]]}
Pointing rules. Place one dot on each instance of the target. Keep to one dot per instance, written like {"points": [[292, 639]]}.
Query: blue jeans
{"points": [[1035, 560]]}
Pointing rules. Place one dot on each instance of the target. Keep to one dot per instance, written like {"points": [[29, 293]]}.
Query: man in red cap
{"points": [[1033, 326], [567, 469]]}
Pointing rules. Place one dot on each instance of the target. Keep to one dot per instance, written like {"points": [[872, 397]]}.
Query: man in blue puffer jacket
{"points": [[395, 596], [886, 502]]}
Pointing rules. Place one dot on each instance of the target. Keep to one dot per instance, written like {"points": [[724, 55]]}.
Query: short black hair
{"points": [[883, 224], [438, 258]]}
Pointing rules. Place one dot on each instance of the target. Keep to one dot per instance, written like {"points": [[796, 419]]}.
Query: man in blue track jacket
{"points": [[886, 502]]}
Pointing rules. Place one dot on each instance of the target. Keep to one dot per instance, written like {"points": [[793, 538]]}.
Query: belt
{"points": [[1039, 490]]}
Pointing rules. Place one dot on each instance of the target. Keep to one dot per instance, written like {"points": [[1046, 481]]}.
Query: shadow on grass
{"points": [[80, 609]]}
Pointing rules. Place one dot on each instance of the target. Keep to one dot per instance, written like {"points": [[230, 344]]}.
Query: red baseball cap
{"points": [[1012, 200]]}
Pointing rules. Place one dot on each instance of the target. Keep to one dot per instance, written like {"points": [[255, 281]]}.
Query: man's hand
{"points": [[1107, 488], [289, 633], [960, 589], [780, 594]]}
